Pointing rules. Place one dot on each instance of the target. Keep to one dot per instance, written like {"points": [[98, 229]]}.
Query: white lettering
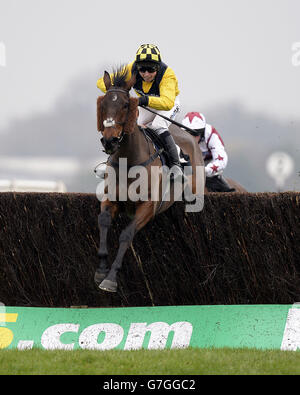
{"points": [[2, 55], [120, 385], [143, 188], [122, 180], [291, 335], [113, 337], [159, 335], [51, 337], [25, 344], [138, 189], [296, 55], [2, 314]]}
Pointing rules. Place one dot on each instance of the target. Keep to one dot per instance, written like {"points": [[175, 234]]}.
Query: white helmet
{"points": [[195, 121]]}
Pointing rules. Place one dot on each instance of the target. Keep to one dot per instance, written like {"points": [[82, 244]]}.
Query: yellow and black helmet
{"points": [[148, 53]]}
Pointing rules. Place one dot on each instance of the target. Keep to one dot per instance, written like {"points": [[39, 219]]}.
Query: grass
{"points": [[189, 361]]}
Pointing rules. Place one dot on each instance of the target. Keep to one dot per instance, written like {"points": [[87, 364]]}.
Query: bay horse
{"points": [[117, 115]]}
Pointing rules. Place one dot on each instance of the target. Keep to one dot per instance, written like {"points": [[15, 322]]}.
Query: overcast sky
{"points": [[221, 50]]}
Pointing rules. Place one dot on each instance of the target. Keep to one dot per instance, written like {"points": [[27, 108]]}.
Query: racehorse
{"points": [[117, 114]]}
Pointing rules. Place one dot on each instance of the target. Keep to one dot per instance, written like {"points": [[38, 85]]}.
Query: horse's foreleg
{"points": [[104, 222], [143, 215]]}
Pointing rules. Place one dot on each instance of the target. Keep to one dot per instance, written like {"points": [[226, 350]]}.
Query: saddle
{"points": [[154, 138]]}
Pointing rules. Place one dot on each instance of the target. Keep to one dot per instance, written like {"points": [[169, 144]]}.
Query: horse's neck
{"points": [[134, 147]]}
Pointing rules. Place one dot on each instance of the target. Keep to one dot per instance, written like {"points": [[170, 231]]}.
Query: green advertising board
{"points": [[258, 326]]}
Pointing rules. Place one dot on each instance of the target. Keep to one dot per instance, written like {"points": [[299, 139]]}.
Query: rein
{"points": [[117, 89], [146, 163]]}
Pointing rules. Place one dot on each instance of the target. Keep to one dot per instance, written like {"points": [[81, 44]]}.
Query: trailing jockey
{"points": [[213, 151], [157, 88]]}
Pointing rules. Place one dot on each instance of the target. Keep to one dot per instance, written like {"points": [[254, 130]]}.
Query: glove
{"points": [[143, 100]]}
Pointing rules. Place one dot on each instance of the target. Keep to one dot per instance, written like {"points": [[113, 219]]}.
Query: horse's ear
{"points": [[107, 80], [131, 82], [100, 126], [132, 115]]}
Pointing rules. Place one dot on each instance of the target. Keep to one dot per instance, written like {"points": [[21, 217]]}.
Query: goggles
{"points": [[198, 132], [150, 69]]}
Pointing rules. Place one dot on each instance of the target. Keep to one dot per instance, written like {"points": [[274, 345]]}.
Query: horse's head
{"points": [[117, 111]]}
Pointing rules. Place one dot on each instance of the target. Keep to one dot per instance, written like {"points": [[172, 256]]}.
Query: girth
{"points": [[151, 159], [146, 163]]}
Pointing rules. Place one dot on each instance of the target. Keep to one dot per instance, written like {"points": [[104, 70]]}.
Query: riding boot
{"points": [[226, 187], [171, 149], [218, 184]]}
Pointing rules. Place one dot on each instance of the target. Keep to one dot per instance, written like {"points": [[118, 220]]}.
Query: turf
{"points": [[150, 362]]}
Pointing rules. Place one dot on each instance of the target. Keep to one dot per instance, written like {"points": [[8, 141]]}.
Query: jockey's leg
{"points": [[161, 127], [224, 185], [171, 148], [145, 117]]}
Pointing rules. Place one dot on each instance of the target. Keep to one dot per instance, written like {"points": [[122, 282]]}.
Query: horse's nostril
{"points": [[110, 144], [114, 140], [110, 141]]}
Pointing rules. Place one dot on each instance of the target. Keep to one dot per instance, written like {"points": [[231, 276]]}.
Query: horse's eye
{"points": [[126, 105]]}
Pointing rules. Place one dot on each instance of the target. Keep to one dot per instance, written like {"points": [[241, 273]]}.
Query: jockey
{"points": [[157, 88], [213, 151]]}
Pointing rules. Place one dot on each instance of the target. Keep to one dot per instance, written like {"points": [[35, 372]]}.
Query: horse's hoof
{"points": [[99, 277], [108, 286]]}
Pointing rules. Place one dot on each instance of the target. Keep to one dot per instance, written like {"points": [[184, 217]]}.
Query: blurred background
{"points": [[237, 62]]}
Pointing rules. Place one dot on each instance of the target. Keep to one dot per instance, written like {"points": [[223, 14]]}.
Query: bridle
{"points": [[112, 122], [109, 122]]}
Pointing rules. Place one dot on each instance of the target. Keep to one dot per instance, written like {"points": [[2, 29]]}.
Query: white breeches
{"points": [[153, 121]]}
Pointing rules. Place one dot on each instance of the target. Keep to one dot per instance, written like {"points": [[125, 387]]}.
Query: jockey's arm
{"points": [[100, 85], [100, 82], [168, 92], [219, 156]]}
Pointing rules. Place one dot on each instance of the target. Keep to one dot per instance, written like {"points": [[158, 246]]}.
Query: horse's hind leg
{"points": [[126, 237], [104, 222]]}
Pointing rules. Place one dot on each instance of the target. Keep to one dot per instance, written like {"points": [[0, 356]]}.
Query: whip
{"points": [[171, 120]]}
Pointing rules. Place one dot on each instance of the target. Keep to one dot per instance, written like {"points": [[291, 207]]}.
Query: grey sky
{"points": [[221, 50]]}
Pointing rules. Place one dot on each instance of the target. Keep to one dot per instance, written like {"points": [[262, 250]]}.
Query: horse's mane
{"points": [[119, 80], [119, 76]]}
